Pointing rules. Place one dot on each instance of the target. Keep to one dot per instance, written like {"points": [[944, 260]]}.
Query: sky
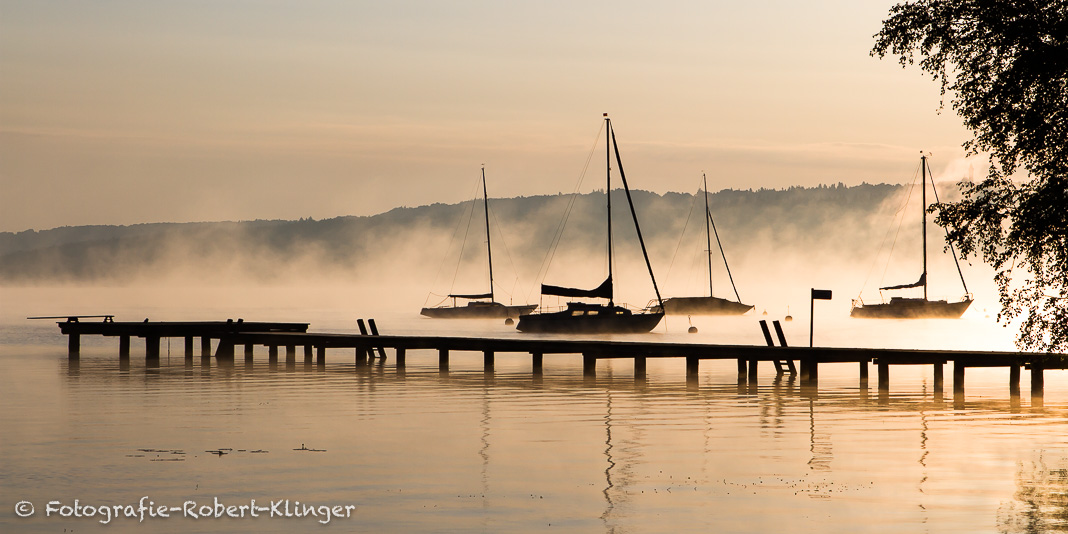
{"points": [[126, 112]]}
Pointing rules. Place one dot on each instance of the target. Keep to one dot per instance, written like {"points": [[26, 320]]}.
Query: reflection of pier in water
{"points": [[369, 345]]}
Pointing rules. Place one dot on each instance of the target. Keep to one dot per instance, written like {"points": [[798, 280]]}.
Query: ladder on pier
{"points": [[781, 366]]}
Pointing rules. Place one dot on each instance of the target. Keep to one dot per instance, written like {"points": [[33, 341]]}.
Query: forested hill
{"points": [[837, 220]]}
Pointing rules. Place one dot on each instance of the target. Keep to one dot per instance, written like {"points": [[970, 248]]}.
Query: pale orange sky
{"points": [[121, 112]]}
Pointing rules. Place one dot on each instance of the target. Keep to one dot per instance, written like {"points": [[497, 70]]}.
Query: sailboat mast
{"points": [[608, 194], [708, 235], [923, 196], [489, 248]]}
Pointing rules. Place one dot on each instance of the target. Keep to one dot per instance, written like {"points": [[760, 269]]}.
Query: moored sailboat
{"points": [[916, 308], [596, 318], [479, 305], [710, 305]]}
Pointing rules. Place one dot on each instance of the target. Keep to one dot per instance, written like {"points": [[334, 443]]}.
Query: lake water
{"points": [[466, 451]]}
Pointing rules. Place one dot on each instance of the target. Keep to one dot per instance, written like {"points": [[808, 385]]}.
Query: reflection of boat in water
{"points": [[479, 305], [710, 305], [916, 308], [581, 317]]}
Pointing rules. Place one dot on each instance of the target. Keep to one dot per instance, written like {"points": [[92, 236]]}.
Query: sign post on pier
{"points": [[817, 294]]}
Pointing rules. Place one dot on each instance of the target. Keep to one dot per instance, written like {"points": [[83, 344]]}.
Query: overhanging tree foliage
{"points": [[1006, 65]]}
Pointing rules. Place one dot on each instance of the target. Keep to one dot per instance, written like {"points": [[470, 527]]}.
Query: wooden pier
{"points": [[369, 344]]}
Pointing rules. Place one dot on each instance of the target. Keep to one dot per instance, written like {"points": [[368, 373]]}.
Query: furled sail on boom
{"points": [[603, 291]]}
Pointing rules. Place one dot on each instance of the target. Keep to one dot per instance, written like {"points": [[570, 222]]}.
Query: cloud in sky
{"points": [[121, 112]]}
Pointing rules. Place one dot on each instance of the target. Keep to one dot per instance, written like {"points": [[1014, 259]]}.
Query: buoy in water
{"points": [[509, 321], [692, 330], [765, 312], [788, 316]]}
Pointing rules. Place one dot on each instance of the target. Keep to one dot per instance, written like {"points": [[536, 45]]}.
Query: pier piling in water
{"points": [[1014, 380], [443, 359], [639, 367], [958, 377], [124, 347], [589, 365]]}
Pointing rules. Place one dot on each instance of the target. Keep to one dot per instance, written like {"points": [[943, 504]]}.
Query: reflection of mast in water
{"points": [[923, 456], [608, 456], [484, 452], [821, 447]]}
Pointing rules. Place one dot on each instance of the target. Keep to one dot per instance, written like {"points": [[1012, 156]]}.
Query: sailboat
{"points": [[710, 305], [916, 308], [582, 317], [479, 305]]}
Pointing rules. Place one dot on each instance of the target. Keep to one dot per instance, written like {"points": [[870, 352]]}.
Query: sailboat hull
{"points": [[704, 306], [478, 310], [905, 308], [590, 319]]}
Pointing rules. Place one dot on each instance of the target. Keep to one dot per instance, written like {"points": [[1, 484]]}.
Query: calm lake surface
{"points": [[466, 451]]}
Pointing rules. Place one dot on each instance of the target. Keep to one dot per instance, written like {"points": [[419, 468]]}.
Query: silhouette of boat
{"points": [[479, 305], [916, 308], [710, 305], [582, 317]]}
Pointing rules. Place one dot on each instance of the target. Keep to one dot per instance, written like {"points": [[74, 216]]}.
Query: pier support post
{"points": [[1014, 380], [958, 378], [589, 366], [249, 351], [361, 355], [189, 347], [536, 362], [291, 353], [864, 373], [74, 346], [308, 350], [443, 360], [320, 355], [225, 351], [884, 376], [809, 370], [487, 360], [124, 347], [639, 367], [1037, 381], [939, 378], [272, 353], [205, 346], [400, 357], [742, 373], [693, 366], [151, 348], [752, 369]]}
